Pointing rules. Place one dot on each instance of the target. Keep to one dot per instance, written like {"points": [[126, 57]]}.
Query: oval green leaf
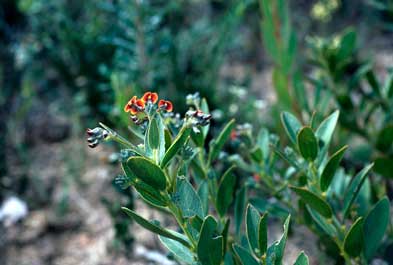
{"points": [[354, 187], [153, 135], [314, 201], [181, 252], [326, 128], [244, 256], [302, 259], [210, 248], [147, 171], [150, 195], [291, 125], [330, 168], [375, 225], [188, 200], [353, 241], [225, 191], [252, 227], [307, 143]]}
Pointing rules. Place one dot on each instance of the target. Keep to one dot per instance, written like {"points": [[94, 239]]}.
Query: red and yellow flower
{"points": [[165, 105], [134, 106], [150, 97]]}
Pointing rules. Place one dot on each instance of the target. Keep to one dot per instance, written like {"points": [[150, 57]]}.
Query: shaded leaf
{"points": [[375, 225], [225, 191], [147, 171], [252, 228], [307, 143], [153, 134], [187, 199], [210, 247], [321, 221], [302, 259], [314, 201], [240, 205], [353, 241], [330, 168], [354, 188], [244, 256], [326, 128], [291, 125], [181, 252], [177, 144]]}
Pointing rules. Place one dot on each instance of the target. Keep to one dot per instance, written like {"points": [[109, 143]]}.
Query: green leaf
{"points": [[307, 143], [203, 192], [244, 256], [181, 252], [353, 241], [373, 82], [281, 85], [321, 221], [155, 228], [225, 191], [177, 144], [150, 194], [262, 234], [252, 227], [375, 225], [147, 171], [280, 245], [326, 128], [218, 144], [384, 166], [168, 139], [275, 252], [187, 199], [210, 247], [354, 188], [240, 205], [347, 45], [385, 138], [330, 168], [291, 125], [314, 201], [302, 259], [153, 135]]}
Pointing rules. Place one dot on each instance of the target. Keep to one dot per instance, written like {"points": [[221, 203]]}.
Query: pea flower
{"points": [[165, 105], [150, 97], [134, 106]]}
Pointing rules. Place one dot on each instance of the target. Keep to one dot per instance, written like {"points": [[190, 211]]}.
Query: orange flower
{"points": [[134, 106], [150, 96], [233, 135], [165, 105], [256, 177]]}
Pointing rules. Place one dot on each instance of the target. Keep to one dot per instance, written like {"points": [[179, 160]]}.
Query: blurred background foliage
{"points": [[83, 60]]}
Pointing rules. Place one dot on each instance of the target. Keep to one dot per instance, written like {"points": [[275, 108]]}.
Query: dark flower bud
{"points": [[95, 136]]}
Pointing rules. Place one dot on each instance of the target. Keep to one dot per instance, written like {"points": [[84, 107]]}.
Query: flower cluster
{"points": [[139, 106]]}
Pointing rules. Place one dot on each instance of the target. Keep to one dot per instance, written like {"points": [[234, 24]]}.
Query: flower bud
{"points": [[95, 136]]}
